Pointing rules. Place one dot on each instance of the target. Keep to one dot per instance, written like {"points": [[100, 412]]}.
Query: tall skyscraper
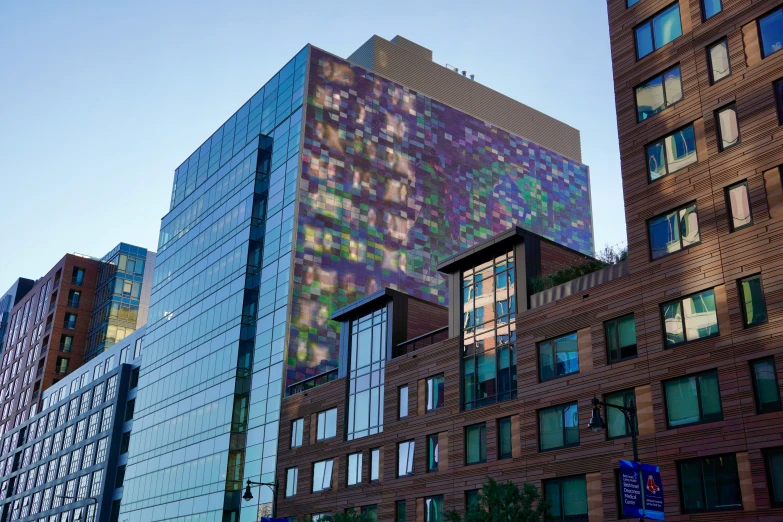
{"points": [[336, 179], [10, 299]]}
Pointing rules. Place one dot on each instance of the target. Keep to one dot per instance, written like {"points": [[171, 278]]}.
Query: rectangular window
{"points": [[620, 338], [505, 449], [433, 508], [754, 305], [771, 32], [66, 343], [616, 423], [718, 59], [69, 323], [728, 127], [558, 427], [354, 469], [322, 475], [400, 511], [296, 432], [738, 204], [61, 366], [405, 452], [375, 464], [671, 153], [558, 357], [327, 424], [692, 400], [432, 452], [130, 409], [367, 363], [124, 446], [476, 444], [690, 319], [658, 31], [77, 276], [568, 497], [435, 392], [119, 479], [402, 399], [765, 385], [630, 3], [658, 93], [774, 461], [291, 479], [710, 8], [709, 484]]}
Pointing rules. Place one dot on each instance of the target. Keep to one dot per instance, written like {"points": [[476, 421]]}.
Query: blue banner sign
{"points": [[631, 489], [653, 492]]}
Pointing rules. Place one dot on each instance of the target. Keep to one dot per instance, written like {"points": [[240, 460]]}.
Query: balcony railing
{"points": [[77, 280], [312, 382], [52, 305], [65, 347], [72, 303], [422, 341], [69, 325]]}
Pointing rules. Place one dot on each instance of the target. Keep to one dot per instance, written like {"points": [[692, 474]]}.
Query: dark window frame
{"points": [[498, 435], [554, 359], [715, 115], [649, 20], [710, 67], [678, 465], [609, 360], [742, 301], [682, 247], [562, 411], [698, 400], [662, 139], [686, 341], [478, 425], [433, 469], [727, 197], [442, 375], [778, 98], [758, 31], [575, 518], [663, 84], [759, 409], [606, 413], [397, 460], [774, 502], [627, 6], [704, 17]]}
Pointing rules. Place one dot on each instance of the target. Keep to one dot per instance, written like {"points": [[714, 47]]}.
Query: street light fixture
{"points": [[597, 423], [271, 485]]}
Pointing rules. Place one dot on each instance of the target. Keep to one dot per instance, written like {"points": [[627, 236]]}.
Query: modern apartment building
{"points": [[685, 329], [10, 299], [67, 462], [337, 179]]}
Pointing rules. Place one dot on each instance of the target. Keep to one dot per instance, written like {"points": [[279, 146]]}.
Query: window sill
{"points": [[672, 346], [691, 424]]}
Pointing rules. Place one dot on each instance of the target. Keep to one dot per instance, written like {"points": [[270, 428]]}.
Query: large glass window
{"points": [[291, 480], [710, 484], [771, 32], [558, 357], [375, 464], [689, 319], [620, 338], [719, 63], [327, 424], [765, 385], [616, 424], [754, 306], [568, 497], [505, 449], [322, 475], [674, 231], [354, 469], [658, 93], [738, 204], [558, 427], [671, 153], [434, 392], [774, 461], [296, 432], [728, 127], [476, 443], [489, 332], [433, 508], [405, 452], [402, 400], [658, 31], [366, 378], [693, 400], [710, 8], [433, 452]]}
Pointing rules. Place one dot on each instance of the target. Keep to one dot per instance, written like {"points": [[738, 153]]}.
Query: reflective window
{"points": [[674, 231], [505, 449], [558, 357], [476, 444], [689, 319], [354, 469], [291, 480], [710, 8], [97, 481], [402, 400], [672, 153], [322, 475], [558, 427], [629, 3], [766, 390], [657, 94], [718, 57], [774, 462], [616, 423], [433, 453], [433, 509], [405, 458], [375, 464], [296, 432], [738, 203], [327, 424], [693, 400], [620, 338], [568, 498], [658, 31], [771, 32], [434, 392], [400, 509], [754, 306], [366, 378], [709, 484], [728, 127]]}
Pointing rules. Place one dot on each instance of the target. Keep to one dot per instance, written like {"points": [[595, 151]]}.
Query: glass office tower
{"points": [[329, 184]]}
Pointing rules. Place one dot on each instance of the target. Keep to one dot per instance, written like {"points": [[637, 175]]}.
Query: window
{"points": [[61, 366], [471, 499], [620, 338], [765, 385], [130, 409], [434, 392], [322, 475], [402, 400], [66, 343], [111, 387], [505, 449], [709, 484], [728, 127], [405, 452], [671, 153], [558, 357], [97, 479], [119, 479], [771, 32], [327, 424], [88, 452], [82, 488], [476, 444], [92, 428], [568, 496], [81, 428], [367, 363], [74, 296], [375, 464], [70, 321], [658, 31], [689, 319], [291, 479], [616, 424], [433, 508], [354, 469], [718, 58], [558, 427], [658, 93], [399, 511], [296, 432], [738, 203], [692, 400], [710, 8], [754, 306], [432, 453], [134, 378], [630, 3], [370, 513], [124, 445], [774, 461], [77, 276]]}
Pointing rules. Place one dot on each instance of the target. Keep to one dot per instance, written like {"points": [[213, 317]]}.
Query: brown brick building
{"points": [[688, 327]]}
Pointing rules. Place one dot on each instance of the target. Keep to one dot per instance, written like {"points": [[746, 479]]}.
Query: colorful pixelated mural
{"points": [[392, 183]]}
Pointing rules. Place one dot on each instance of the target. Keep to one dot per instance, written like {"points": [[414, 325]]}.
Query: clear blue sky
{"points": [[101, 101]]}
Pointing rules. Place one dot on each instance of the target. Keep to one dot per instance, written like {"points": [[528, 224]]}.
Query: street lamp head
{"points": [[596, 423], [248, 494]]}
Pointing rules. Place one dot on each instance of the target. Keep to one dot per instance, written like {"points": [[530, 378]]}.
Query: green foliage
{"points": [[346, 516], [504, 502], [539, 284]]}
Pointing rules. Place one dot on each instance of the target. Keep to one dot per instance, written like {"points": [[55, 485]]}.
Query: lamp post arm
{"points": [[271, 485], [630, 417]]}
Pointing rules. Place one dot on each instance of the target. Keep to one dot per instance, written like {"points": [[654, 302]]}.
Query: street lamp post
{"points": [[274, 486], [92, 499]]}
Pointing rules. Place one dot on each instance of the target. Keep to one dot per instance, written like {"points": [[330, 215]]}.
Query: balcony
{"points": [[72, 303], [422, 341], [312, 382], [77, 280], [69, 325]]}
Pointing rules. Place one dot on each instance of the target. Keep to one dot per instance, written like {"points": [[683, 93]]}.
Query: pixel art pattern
{"points": [[392, 183]]}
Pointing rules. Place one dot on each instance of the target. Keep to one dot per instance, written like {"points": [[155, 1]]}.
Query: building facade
{"points": [[67, 462], [685, 328], [11, 298], [335, 180]]}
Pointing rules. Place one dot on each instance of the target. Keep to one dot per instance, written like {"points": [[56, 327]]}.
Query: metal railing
{"points": [[422, 341], [72, 303], [312, 382]]}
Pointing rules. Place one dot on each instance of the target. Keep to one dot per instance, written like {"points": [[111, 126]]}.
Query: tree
{"points": [[611, 255], [505, 502]]}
